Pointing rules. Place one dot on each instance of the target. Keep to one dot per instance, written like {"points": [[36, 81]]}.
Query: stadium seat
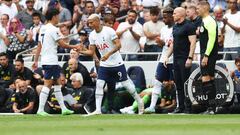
{"points": [[137, 75]]}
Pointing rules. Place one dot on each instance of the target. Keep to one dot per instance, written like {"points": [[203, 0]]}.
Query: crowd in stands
{"points": [[21, 20]]}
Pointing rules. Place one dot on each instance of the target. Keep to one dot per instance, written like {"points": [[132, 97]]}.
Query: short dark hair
{"points": [[3, 54], [204, 3], [132, 11], [154, 11], [20, 60], [36, 14], [6, 16], [168, 10], [108, 18], [237, 60], [88, 2], [51, 13]]}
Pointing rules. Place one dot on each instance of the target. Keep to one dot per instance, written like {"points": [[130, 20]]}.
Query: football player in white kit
{"points": [[164, 72], [49, 39], [111, 67]]}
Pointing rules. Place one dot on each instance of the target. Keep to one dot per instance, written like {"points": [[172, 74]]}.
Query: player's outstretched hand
{"points": [[79, 47]]}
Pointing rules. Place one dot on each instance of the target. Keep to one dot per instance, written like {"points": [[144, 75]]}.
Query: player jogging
{"points": [[111, 67]]}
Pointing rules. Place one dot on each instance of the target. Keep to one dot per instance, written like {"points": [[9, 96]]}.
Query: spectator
{"points": [[108, 6], [218, 16], [78, 10], [110, 21], [3, 32], [82, 23], [22, 72], [25, 16], [83, 35], [129, 33], [231, 29], [123, 11], [149, 4], [24, 100], [34, 29], [41, 5], [65, 17], [16, 36], [222, 3], [152, 30], [9, 8], [6, 71], [192, 15], [65, 31], [236, 76], [73, 67]]}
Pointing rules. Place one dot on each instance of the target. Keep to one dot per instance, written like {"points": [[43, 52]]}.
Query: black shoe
{"points": [[177, 111], [112, 112]]}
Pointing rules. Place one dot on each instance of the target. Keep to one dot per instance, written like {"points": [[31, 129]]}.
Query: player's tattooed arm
{"points": [[117, 44]]}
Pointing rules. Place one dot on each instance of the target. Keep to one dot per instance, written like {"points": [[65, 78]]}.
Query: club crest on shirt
{"points": [[201, 29]]}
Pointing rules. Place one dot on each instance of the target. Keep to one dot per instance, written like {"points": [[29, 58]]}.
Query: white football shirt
{"points": [[167, 37], [104, 43], [49, 35]]}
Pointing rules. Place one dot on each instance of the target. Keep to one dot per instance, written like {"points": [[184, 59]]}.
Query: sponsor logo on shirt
{"points": [[102, 46]]}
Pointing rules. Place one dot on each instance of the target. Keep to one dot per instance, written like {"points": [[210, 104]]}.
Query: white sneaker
{"points": [[149, 110], [93, 113], [130, 112], [140, 107], [125, 109]]}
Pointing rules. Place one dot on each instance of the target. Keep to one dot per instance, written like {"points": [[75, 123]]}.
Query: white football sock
{"points": [[128, 84], [99, 94], [43, 98], [155, 94], [59, 96]]}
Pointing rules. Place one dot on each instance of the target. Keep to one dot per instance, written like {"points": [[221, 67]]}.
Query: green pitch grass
{"points": [[121, 125]]}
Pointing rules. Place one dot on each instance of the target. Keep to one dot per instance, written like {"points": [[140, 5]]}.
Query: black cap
{"points": [[83, 32]]}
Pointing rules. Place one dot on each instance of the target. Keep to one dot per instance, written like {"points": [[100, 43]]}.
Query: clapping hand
{"points": [[225, 21]]}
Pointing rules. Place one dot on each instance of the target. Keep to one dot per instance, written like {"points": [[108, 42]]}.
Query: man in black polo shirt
{"points": [[23, 72], [184, 42], [73, 67], [209, 53], [6, 71], [24, 100]]}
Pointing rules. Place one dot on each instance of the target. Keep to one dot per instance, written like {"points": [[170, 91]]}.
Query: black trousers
{"points": [[181, 74]]}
